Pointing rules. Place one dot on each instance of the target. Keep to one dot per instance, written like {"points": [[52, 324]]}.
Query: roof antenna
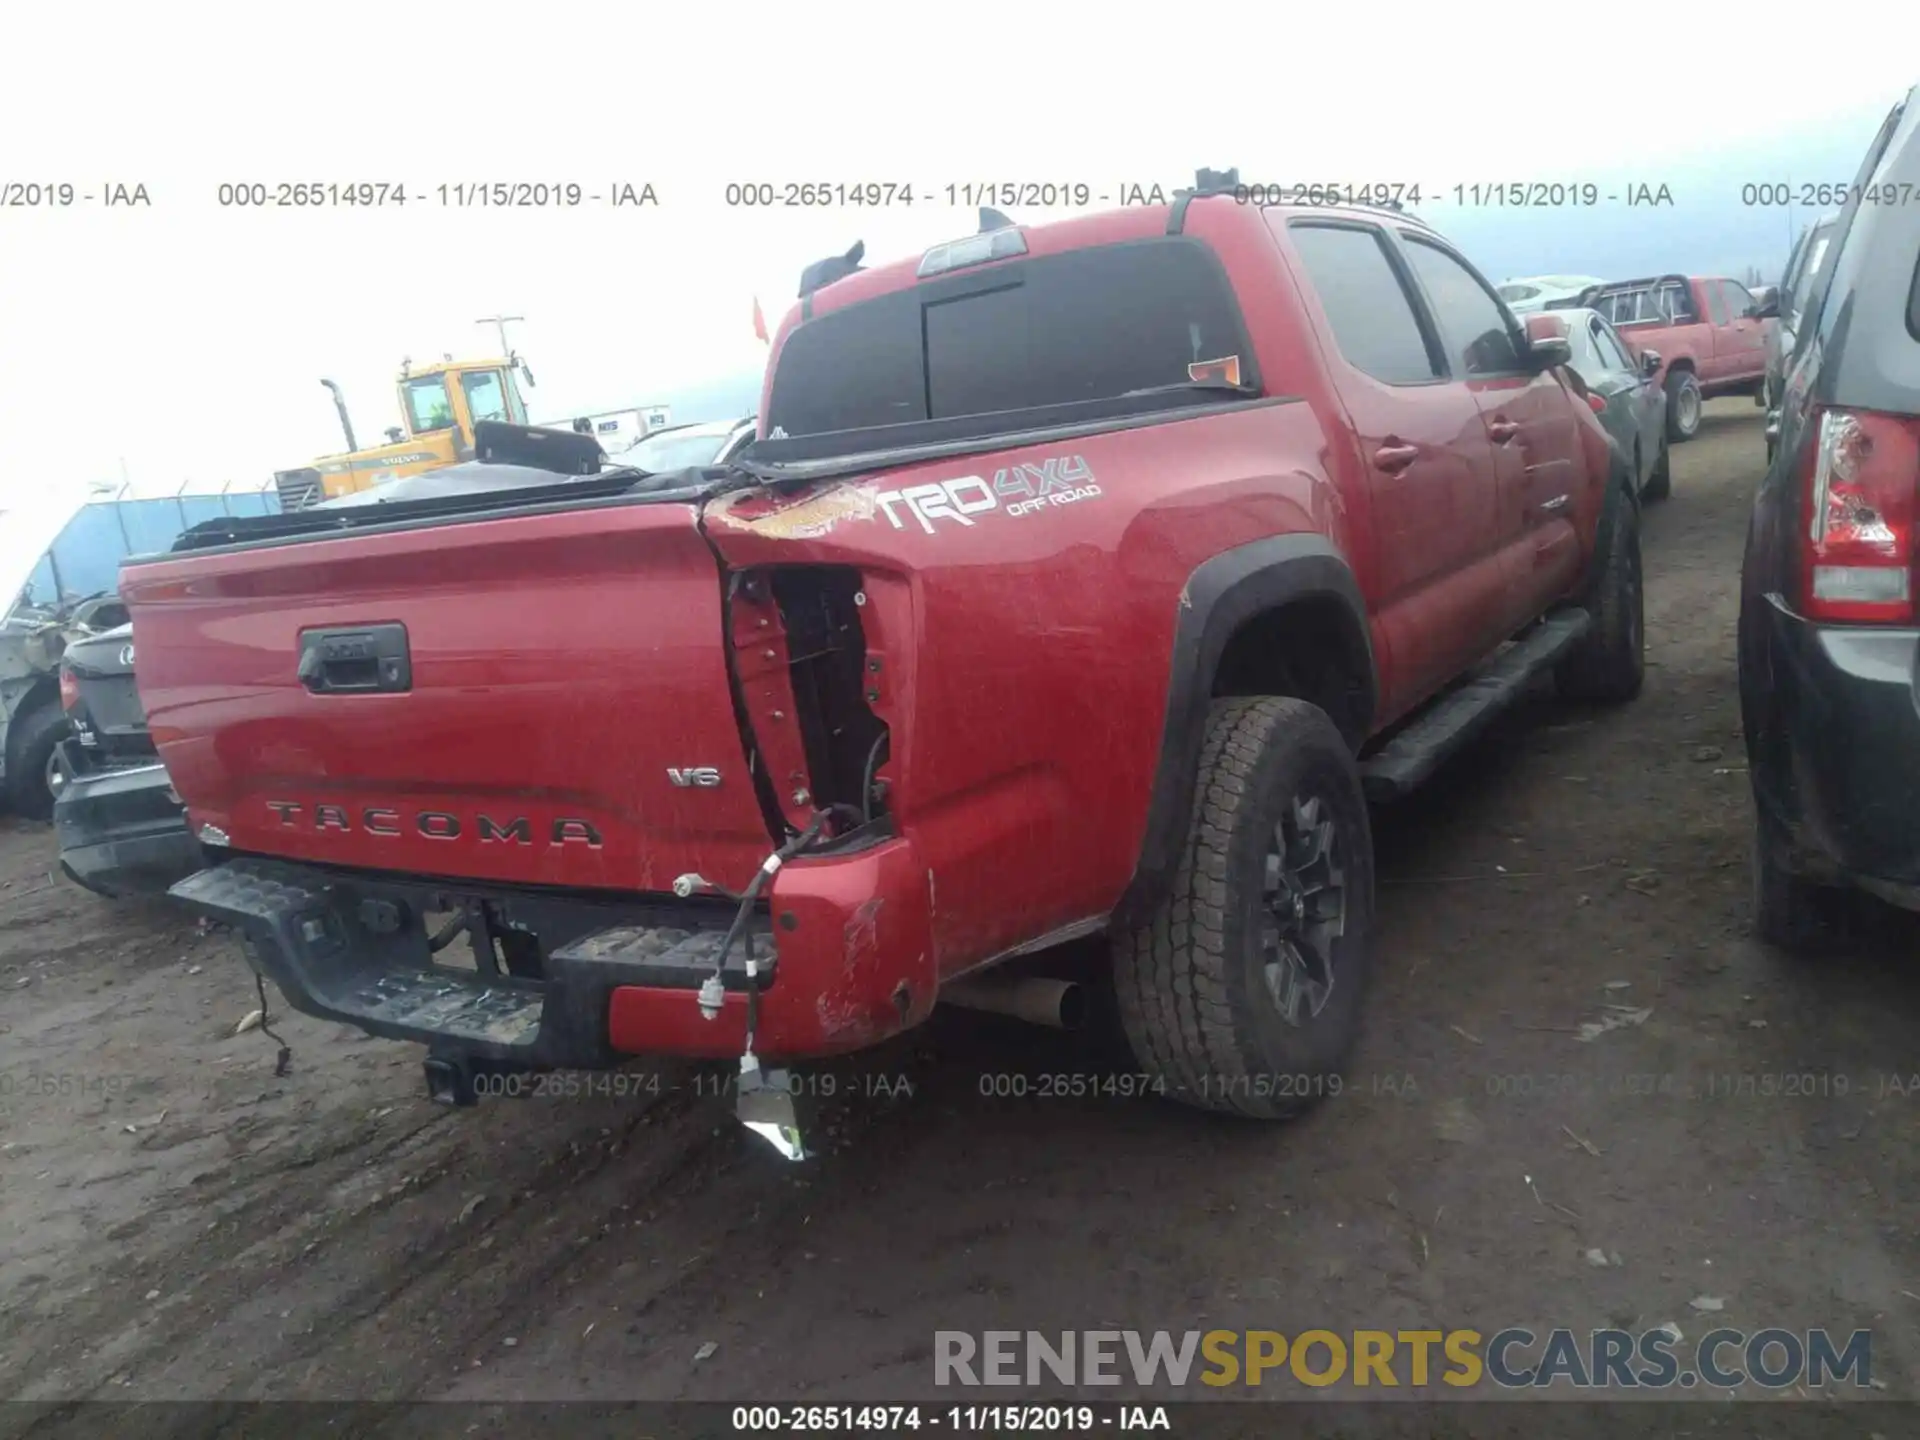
{"points": [[994, 220]]}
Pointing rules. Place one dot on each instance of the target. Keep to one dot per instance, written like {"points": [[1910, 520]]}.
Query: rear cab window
{"points": [[1658, 302], [1096, 324]]}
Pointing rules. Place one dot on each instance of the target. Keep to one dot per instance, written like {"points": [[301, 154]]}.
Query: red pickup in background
{"points": [[1706, 329]]}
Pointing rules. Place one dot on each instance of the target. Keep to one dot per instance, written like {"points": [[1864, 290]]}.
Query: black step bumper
{"points": [[353, 947], [122, 831]]}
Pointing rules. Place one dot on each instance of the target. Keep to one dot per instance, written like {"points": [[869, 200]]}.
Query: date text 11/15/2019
{"points": [[453, 195]]}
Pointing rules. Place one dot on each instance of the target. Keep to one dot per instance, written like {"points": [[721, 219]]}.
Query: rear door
{"points": [[1639, 393], [1529, 421], [1715, 344], [1429, 462]]}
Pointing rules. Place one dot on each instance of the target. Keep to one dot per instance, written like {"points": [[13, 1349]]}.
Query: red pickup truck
{"points": [[1707, 331], [1087, 577]]}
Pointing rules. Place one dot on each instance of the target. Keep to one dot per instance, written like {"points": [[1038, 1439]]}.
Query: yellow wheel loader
{"points": [[440, 403]]}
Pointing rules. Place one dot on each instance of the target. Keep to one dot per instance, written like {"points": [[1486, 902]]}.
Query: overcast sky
{"points": [[187, 339]]}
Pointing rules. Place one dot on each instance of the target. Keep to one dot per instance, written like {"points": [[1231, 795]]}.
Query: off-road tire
{"points": [[1610, 661], [1191, 980], [1660, 479], [1791, 913], [1679, 383], [31, 740]]}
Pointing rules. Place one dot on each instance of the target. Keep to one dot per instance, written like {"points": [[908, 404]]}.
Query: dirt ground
{"points": [[183, 1225]]}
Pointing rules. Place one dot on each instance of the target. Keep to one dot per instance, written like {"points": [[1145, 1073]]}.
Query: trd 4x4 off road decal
{"points": [[1016, 490]]}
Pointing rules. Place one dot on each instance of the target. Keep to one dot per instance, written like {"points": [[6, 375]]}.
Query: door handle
{"points": [[1395, 458], [1501, 431], [365, 660]]}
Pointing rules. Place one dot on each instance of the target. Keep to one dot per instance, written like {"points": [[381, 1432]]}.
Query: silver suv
{"points": [[1805, 266]]}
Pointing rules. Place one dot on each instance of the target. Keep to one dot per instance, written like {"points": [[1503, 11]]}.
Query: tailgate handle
{"points": [[365, 660]]}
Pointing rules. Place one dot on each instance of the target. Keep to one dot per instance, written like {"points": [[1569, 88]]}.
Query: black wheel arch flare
{"points": [[1220, 596]]}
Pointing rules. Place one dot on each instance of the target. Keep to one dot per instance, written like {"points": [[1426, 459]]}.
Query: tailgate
{"points": [[557, 709]]}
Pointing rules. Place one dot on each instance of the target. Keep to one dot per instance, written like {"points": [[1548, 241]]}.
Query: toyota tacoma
{"points": [[1088, 577]]}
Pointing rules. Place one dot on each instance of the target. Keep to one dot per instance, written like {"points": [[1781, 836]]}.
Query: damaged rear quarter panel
{"points": [[1027, 641]]}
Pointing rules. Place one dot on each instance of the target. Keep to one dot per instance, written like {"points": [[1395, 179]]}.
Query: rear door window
{"points": [[1372, 316], [1092, 324], [1473, 322], [1611, 356], [1815, 297], [1587, 362], [1812, 265]]}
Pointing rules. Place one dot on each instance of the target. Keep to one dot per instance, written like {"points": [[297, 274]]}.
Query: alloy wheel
{"points": [[1304, 910]]}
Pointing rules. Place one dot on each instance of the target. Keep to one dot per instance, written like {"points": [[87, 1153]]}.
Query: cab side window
{"points": [[1472, 320], [1372, 316]]}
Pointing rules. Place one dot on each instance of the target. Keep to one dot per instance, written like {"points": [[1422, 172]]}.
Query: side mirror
{"points": [[1768, 309], [1547, 351], [1649, 362]]}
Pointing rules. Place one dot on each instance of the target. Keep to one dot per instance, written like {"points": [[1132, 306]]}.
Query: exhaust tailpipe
{"points": [[1060, 1004], [340, 404]]}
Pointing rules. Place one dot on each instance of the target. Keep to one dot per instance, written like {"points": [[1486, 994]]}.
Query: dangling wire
{"points": [[284, 1060]]}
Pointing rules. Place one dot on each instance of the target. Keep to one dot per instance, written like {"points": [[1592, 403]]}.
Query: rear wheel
{"points": [[1242, 992], [1609, 664], [1683, 405], [1789, 912], [32, 739]]}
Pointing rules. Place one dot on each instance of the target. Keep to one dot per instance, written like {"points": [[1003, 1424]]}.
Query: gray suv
{"points": [[1829, 639]]}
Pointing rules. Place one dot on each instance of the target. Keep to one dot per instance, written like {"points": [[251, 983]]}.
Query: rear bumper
{"points": [[851, 938], [122, 831], [1835, 751]]}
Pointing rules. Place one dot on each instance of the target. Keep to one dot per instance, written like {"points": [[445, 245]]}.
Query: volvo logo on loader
{"points": [[695, 777]]}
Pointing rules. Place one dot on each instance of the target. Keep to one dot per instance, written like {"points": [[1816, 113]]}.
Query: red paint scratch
{"points": [[863, 934]]}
